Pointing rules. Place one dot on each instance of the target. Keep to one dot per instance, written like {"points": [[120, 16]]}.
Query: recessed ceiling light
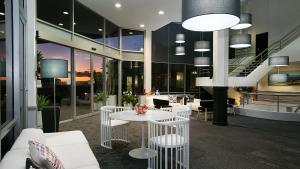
{"points": [[142, 25], [60, 24], [118, 5], [2, 13], [100, 29], [161, 12], [130, 33], [66, 13]]}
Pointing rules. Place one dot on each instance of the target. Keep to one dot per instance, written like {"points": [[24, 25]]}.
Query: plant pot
{"points": [[128, 105], [50, 123], [39, 122], [98, 105]]}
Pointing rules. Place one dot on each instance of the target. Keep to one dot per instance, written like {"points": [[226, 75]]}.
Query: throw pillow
{"points": [[172, 98], [43, 156]]}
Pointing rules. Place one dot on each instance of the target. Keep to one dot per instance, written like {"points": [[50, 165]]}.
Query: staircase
{"points": [[240, 68]]}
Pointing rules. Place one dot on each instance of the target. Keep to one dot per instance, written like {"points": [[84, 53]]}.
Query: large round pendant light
{"points": [[180, 50], [245, 22], [202, 46], [278, 78], [180, 38], [210, 15], [202, 61], [240, 41], [279, 61]]}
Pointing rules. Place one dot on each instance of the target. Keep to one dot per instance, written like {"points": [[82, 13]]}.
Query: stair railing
{"points": [[246, 69]]}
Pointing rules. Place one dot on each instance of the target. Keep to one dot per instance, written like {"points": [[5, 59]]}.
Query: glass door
{"points": [[98, 80], [83, 82]]}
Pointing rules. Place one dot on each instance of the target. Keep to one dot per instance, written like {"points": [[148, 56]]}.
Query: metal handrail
{"points": [[273, 48]]}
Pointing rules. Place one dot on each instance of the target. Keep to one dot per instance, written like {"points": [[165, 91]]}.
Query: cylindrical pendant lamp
{"points": [[202, 46], [180, 50], [278, 78], [245, 22], [180, 38], [279, 61], [240, 41], [202, 61], [210, 15]]}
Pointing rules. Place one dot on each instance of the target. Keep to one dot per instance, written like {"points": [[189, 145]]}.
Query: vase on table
{"points": [[128, 105]]}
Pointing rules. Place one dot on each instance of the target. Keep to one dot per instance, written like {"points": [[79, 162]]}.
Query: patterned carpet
{"points": [[247, 143]]}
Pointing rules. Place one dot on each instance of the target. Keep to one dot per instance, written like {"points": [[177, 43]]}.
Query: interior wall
{"points": [[277, 17], [263, 83]]}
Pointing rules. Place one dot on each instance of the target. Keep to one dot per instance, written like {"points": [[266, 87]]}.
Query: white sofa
{"points": [[71, 147]]}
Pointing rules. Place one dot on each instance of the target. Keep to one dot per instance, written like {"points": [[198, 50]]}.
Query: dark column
{"points": [[220, 106]]}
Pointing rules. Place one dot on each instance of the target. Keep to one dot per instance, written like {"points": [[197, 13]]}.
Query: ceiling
{"points": [[133, 13]]}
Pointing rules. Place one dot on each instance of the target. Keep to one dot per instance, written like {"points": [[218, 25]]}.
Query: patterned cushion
{"points": [[43, 156], [172, 98]]}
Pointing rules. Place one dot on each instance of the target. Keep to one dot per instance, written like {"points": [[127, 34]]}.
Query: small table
{"points": [[142, 152]]}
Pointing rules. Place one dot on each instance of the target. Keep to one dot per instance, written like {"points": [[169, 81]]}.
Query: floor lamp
{"points": [[54, 68]]}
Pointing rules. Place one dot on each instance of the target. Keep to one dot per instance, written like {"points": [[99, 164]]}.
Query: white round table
{"points": [[142, 152]]}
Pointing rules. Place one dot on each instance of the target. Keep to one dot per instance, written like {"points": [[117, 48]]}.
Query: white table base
{"points": [[143, 152]]}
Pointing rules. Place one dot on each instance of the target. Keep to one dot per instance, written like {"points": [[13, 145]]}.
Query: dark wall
{"points": [[163, 44]]}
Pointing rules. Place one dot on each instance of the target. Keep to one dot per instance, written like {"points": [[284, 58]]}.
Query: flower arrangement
{"points": [[129, 98], [140, 108]]}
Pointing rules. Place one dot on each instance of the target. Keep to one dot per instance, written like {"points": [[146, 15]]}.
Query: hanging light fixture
{"points": [[279, 61], [245, 22], [240, 41], [180, 38], [210, 15], [278, 78], [180, 50], [202, 46], [202, 61]]}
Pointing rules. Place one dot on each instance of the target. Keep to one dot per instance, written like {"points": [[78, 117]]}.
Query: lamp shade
{"points": [[202, 46], [210, 15], [240, 41], [279, 61], [180, 50], [54, 68], [2, 68], [245, 22], [180, 38], [278, 78], [201, 61]]}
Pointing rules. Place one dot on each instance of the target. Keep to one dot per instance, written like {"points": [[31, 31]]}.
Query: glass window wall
{"points": [[112, 34], [83, 82], [176, 78], [191, 75], [88, 23], [112, 81], [48, 50], [133, 77], [57, 12], [98, 76], [160, 77], [132, 40]]}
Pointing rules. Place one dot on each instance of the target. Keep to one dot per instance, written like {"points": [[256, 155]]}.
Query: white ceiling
{"points": [[136, 12]]}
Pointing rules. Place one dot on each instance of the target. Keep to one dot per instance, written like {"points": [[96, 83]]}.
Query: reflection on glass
{"points": [[6, 116], [47, 50], [112, 34], [191, 75], [98, 78], [132, 40], [83, 82], [132, 80], [57, 12], [87, 22], [160, 77], [176, 77], [112, 80]]}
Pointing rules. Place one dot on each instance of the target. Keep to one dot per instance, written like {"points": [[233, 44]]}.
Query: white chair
{"points": [[182, 111], [112, 129], [168, 140]]}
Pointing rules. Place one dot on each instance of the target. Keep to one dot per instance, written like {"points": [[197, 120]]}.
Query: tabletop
{"points": [[131, 115]]}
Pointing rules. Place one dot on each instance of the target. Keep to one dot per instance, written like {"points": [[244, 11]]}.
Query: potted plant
{"points": [[128, 99], [99, 100], [41, 102]]}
